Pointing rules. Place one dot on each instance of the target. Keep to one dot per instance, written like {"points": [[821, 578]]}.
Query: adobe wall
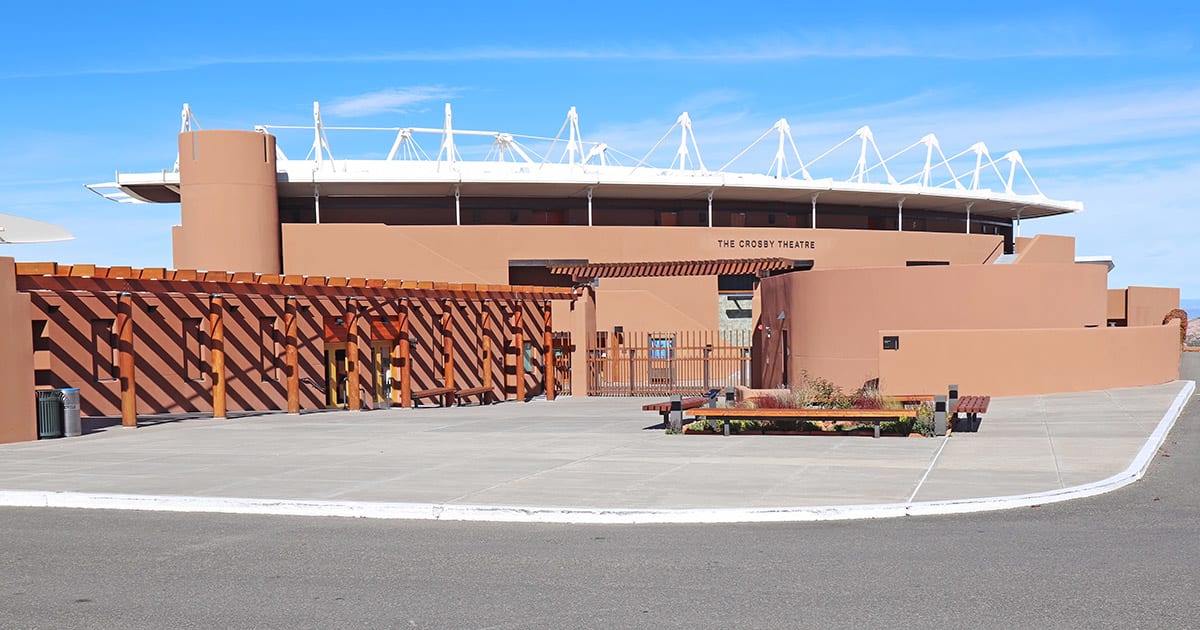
{"points": [[1045, 248], [172, 337], [833, 317], [229, 207], [1116, 304], [1029, 362], [1147, 306], [480, 253], [18, 414]]}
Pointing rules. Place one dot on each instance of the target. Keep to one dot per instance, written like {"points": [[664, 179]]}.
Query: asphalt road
{"points": [[1129, 559]]}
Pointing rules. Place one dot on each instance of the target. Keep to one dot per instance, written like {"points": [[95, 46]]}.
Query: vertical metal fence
{"points": [[641, 363], [562, 363]]}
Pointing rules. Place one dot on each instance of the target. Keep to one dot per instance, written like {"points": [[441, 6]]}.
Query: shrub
{"points": [[923, 423]]}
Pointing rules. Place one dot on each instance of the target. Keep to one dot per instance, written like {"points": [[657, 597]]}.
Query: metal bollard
{"points": [[939, 415], [675, 420], [951, 403]]}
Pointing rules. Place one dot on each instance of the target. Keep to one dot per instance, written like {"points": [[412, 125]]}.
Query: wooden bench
{"points": [[486, 395], [442, 393], [689, 402], [971, 406], [865, 416]]}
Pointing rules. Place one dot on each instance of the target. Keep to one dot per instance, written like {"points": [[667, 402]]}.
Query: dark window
{"points": [[193, 368], [741, 283], [269, 357], [104, 354]]}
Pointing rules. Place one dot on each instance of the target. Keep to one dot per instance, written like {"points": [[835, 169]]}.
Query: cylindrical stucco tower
{"points": [[229, 203]]}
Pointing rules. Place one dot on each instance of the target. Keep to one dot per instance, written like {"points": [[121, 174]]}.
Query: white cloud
{"points": [[391, 100]]}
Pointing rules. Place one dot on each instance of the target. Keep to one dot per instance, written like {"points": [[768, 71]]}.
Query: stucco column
{"points": [[583, 334], [229, 205]]}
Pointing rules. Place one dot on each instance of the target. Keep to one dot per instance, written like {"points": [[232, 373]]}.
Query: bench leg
{"points": [[877, 425], [725, 426]]}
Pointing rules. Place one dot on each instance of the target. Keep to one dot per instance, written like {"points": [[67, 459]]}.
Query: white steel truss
{"points": [[972, 170]]}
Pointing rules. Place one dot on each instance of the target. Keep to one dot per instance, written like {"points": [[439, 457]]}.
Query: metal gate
{"points": [[562, 363], [639, 363]]}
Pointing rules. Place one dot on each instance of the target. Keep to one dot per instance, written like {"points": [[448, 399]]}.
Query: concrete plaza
{"points": [[592, 453]]}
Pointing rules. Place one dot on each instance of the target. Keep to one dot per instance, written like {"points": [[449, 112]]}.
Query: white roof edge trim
{"points": [[1107, 261]]}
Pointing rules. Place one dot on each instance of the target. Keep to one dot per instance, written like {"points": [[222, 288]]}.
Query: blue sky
{"points": [[1102, 100]]}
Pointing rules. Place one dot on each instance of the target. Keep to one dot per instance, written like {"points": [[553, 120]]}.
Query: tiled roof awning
{"points": [[724, 267]]}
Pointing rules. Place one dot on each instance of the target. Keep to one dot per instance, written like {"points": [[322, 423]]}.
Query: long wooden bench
{"points": [[441, 393], [485, 394], [865, 416], [688, 402], [971, 407]]}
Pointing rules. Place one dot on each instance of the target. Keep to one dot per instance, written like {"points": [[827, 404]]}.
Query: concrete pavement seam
{"points": [[452, 512]]}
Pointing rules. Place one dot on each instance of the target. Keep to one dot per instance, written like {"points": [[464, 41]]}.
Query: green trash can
{"points": [[49, 414]]}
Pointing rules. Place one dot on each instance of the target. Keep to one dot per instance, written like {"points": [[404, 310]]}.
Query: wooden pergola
{"points": [[216, 286]]}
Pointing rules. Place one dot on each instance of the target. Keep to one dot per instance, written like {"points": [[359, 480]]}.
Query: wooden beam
{"points": [[291, 354], [36, 268], [518, 322], [353, 398], [548, 350], [216, 353], [126, 364], [404, 361], [448, 308], [485, 340]]}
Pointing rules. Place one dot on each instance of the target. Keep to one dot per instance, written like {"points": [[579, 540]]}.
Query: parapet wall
{"points": [[833, 317], [1029, 362]]}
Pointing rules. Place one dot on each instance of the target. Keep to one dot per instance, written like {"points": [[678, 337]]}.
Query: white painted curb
{"points": [[451, 512]]}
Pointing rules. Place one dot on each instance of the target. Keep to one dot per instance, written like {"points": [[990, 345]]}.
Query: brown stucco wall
{"points": [[833, 317], [78, 312], [1029, 362], [1047, 248], [1147, 306], [228, 204], [18, 413], [481, 253], [1116, 304]]}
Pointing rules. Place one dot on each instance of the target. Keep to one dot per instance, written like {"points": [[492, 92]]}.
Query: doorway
{"points": [[381, 369], [335, 375]]}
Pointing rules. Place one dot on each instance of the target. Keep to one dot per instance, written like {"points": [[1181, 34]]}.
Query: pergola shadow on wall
{"points": [[155, 341]]}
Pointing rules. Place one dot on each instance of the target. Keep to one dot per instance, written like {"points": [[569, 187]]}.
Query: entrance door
{"points": [[381, 366], [335, 375]]}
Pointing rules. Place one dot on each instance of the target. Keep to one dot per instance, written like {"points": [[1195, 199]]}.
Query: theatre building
{"points": [[634, 278]]}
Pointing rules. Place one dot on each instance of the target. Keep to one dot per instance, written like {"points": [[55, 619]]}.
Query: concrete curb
{"points": [[451, 512]]}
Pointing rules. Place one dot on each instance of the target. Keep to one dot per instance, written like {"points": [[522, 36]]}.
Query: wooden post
{"points": [[448, 349], [353, 398], [291, 354], [548, 349], [403, 358], [485, 339], [518, 322], [126, 366], [216, 353]]}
